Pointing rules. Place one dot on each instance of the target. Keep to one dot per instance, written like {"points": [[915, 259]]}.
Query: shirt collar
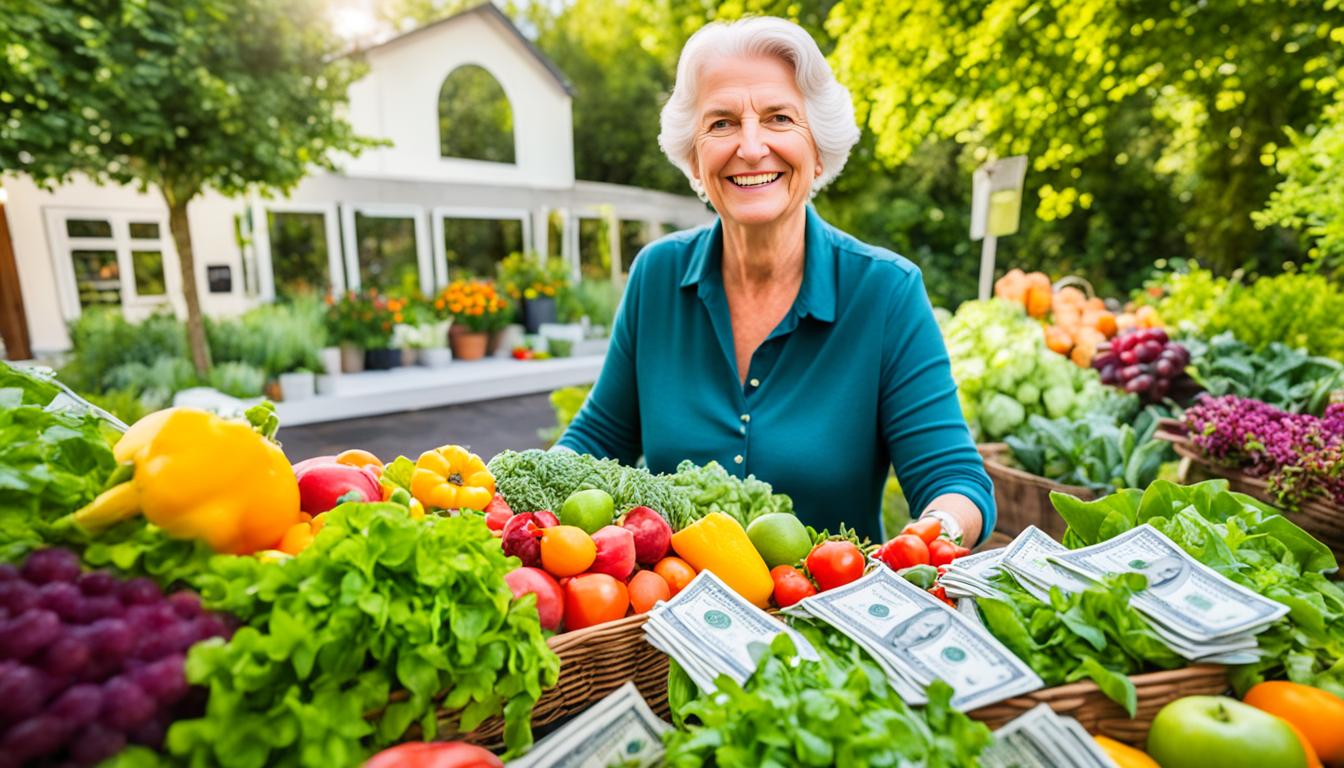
{"points": [[816, 296]]}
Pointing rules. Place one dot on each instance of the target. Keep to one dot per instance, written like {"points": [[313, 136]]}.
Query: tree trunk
{"points": [[177, 224]]}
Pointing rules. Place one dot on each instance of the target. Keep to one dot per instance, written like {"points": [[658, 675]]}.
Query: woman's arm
{"points": [[931, 447]]}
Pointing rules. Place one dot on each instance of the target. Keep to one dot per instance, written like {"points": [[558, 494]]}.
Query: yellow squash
{"points": [[718, 543]]}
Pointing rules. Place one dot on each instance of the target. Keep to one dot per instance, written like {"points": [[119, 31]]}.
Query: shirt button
{"points": [[746, 418], [737, 459], [755, 382], [742, 430]]}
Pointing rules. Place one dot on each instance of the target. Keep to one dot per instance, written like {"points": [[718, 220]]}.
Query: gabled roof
{"points": [[489, 10]]}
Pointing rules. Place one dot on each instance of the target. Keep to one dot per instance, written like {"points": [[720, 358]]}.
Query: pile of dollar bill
{"points": [[916, 639], [709, 629], [1196, 611], [618, 730], [1042, 739]]}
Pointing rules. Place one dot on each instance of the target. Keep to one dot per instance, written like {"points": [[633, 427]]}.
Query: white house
{"points": [[410, 213]]}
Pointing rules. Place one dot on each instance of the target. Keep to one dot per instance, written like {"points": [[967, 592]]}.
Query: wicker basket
{"points": [[1322, 520], [1023, 499], [1086, 703]]}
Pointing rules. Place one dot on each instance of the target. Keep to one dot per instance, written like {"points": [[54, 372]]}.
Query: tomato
{"points": [[835, 564], [566, 550], [358, 458], [944, 551], [1317, 714], [904, 551], [594, 598], [646, 589], [926, 529], [676, 572], [790, 585], [941, 593], [434, 754]]}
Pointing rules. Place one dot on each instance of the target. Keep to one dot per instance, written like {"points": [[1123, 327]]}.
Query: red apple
{"points": [[653, 536], [615, 552], [550, 598], [546, 518], [519, 538], [497, 513]]}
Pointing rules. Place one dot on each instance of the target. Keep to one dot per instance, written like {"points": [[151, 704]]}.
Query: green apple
{"points": [[590, 510], [1207, 731], [780, 538]]}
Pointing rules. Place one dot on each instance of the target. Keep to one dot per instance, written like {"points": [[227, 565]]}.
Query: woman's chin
{"points": [[755, 213]]}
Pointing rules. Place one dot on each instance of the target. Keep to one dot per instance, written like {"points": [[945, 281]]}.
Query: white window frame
{"points": [[454, 212], [261, 239], [350, 239], [613, 226], [121, 242]]}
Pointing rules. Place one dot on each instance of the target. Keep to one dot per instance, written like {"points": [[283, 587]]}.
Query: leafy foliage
{"points": [[1311, 196], [532, 480], [711, 488], [1097, 452], [1278, 375]]}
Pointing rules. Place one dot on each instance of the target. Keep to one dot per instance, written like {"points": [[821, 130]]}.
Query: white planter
{"points": [[301, 385], [510, 337], [436, 357], [331, 360], [326, 385]]}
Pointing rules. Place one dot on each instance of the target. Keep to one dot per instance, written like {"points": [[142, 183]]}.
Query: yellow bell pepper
{"points": [[197, 476], [1124, 755], [452, 478], [718, 543]]}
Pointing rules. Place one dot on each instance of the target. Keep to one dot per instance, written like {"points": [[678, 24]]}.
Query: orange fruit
{"points": [[647, 588], [566, 550], [1317, 715], [296, 539], [676, 572], [357, 457]]}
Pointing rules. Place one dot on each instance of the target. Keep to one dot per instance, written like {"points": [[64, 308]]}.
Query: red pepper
{"points": [[941, 593]]}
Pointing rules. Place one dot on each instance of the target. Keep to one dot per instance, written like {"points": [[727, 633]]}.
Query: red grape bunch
{"points": [[90, 663], [1143, 362]]}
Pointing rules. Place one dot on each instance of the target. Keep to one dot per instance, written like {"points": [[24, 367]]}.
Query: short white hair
{"points": [[830, 113]]}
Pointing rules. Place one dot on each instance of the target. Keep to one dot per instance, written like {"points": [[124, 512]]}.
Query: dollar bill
{"points": [[1040, 738], [1028, 559], [619, 730], [1183, 594], [969, 576], [917, 639]]}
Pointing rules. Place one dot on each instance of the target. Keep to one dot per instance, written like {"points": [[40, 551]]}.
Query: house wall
{"points": [[399, 100]]}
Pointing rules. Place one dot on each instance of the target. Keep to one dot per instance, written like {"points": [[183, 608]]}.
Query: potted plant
{"points": [[379, 354], [347, 319], [535, 286], [298, 385], [433, 339], [477, 310]]}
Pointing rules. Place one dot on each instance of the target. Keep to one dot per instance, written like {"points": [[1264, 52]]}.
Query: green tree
{"points": [[1213, 83], [475, 116], [180, 96], [1311, 196]]}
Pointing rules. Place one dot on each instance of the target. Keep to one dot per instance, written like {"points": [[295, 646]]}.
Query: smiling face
{"points": [[753, 152]]}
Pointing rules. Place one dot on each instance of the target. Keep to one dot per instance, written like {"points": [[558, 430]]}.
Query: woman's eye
{"points": [[781, 119], [718, 125]]}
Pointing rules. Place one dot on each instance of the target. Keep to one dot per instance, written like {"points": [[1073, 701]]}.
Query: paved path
{"points": [[486, 427]]}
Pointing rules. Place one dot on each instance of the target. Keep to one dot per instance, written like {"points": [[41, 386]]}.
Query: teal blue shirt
{"points": [[854, 379]]}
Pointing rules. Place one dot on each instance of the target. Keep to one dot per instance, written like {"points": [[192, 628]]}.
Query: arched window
{"points": [[475, 117]]}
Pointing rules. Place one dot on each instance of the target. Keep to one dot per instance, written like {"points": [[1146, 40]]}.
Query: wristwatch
{"points": [[951, 526]]}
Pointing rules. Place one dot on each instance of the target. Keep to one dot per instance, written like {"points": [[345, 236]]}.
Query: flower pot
{"points": [[298, 385], [352, 358], [326, 385], [272, 390], [510, 337], [381, 359], [537, 311], [436, 357], [331, 360], [409, 356], [470, 345]]}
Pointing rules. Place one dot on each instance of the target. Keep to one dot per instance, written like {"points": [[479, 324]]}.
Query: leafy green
{"points": [[837, 711], [379, 602], [711, 489], [1096, 452], [534, 479], [1250, 543], [36, 386], [1279, 375]]}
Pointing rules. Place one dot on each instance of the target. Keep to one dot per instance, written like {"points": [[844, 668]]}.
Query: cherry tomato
{"points": [[926, 529], [835, 564], [646, 589], [942, 551], [790, 585], [676, 572], [904, 551], [941, 593], [434, 754], [594, 598]]}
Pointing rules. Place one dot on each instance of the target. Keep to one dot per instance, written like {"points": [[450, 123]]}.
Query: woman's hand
{"points": [[963, 511]]}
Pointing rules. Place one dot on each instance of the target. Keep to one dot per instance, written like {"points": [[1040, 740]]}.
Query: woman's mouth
{"points": [[754, 180]]}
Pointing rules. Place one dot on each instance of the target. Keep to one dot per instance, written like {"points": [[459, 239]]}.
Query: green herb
{"points": [[838, 711], [378, 603], [533, 480], [711, 489], [1279, 375], [1096, 452]]}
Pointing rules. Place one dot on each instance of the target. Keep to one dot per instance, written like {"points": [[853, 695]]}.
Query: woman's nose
{"points": [[753, 148]]}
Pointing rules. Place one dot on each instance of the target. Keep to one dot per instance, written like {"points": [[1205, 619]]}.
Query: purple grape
{"points": [[24, 635], [1104, 359], [97, 583], [210, 625], [61, 598], [151, 618], [125, 704], [1159, 389], [150, 732], [165, 679], [8, 572], [67, 656], [153, 645], [180, 636], [1130, 372], [48, 565], [18, 596], [1129, 357], [1159, 335], [23, 690], [35, 737], [140, 591], [96, 743], [79, 705], [1110, 374], [1140, 383], [111, 639], [97, 607], [1148, 351], [187, 604], [1164, 368]]}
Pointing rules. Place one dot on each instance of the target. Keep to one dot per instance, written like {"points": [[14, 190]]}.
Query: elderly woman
{"points": [[769, 341]]}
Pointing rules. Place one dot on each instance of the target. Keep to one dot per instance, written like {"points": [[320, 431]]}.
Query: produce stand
{"points": [[1085, 702], [1022, 498], [1321, 519]]}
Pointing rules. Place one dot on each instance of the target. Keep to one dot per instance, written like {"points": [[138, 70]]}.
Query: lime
{"points": [[780, 538], [589, 510]]}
